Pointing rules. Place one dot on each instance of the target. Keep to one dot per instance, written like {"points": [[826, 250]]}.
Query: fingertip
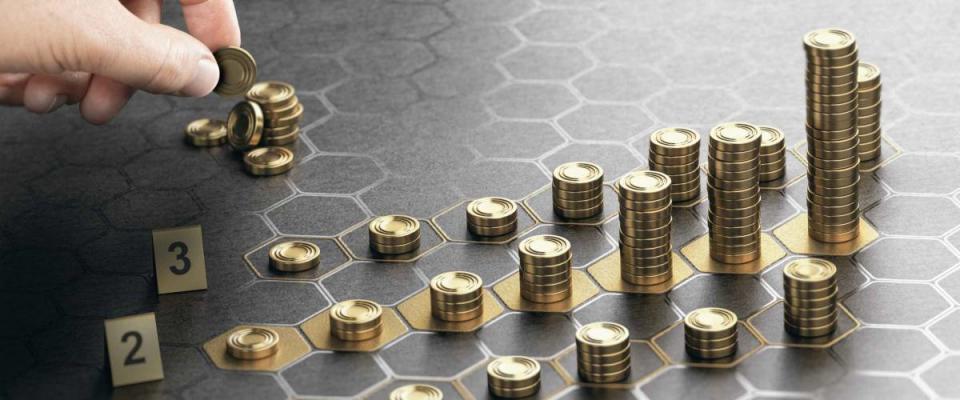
{"points": [[104, 100]]}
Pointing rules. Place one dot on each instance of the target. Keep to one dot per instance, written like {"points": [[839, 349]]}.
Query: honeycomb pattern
{"points": [[417, 106]]}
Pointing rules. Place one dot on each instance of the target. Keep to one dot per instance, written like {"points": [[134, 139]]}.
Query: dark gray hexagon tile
{"points": [[490, 262], [515, 139], [426, 160], [363, 280], [643, 315], [643, 361], [71, 341], [228, 271], [331, 257], [182, 368], [902, 350], [446, 388], [903, 258], [455, 78], [587, 243], [849, 278], [685, 227], [615, 160], [72, 185], [742, 294], [80, 382], [316, 215], [632, 47], [658, 14], [305, 72], [531, 100], [480, 42], [226, 384], [694, 67], [453, 223], [925, 133], [606, 122], [56, 227], [946, 330], [235, 190], [388, 57], [609, 83], [775, 209], [360, 372], [590, 392], [143, 105], [443, 121], [896, 303], [253, 15], [432, 355], [409, 21], [686, 106], [372, 95], [107, 296], [114, 144], [546, 62], [336, 174], [31, 160], [791, 369], [510, 179], [26, 127], [866, 387], [344, 133], [18, 359], [898, 215], [694, 383], [951, 284], [542, 204], [942, 377], [475, 382], [193, 318], [226, 233], [523, 334], [150, 209], [561, 26], [36, 269], [417, 197], [930, 93], [271, 302], [28, 312], [489, 11], [927, 173]]}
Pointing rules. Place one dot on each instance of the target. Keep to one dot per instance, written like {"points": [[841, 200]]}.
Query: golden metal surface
{"points": [[810, 273], [643, 186], [710, 323], [238, 71], [318, 332], [602, 338], [417, 391], [245, 126], [544, 250], [279, 95], [734, 137], [491, 211], [268, 161], [698, 252], [179, 261], [577, 176], [768, 323], [356, 320], [133, 337], [581, 289], [206, 132], [829, 42], [294, 256], [513, 376], [868, 76], [290, 347], [673, 142], [794, 236], [607, 273], [417, 311], [252, 343], [394, 230]]}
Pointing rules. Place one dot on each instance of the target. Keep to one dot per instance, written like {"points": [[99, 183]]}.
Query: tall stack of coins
{"points": [[253, 343], [545, 262], [645, 222], [603, 352], [710, 333], [294, 256], [733, 188], [394, 234], [578, 190], [356, 320], [773, 154], [676, 153], [513, 377], [282, 112], [492, 216], [417, 391], [456, 296], [810, 293], [868, 111], [833, 156]]}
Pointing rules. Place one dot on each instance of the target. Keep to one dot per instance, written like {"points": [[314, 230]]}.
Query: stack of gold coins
{"points": [[773, 154], [206, 133], [645, 222], [253, 343], [603, 352], [733, 188], [676, 153], [492, 216], [833, 157], [456, 296], [513, 377], [578, 190], [710, 333], [868, 111], [282, 112], [416, 392], [294, 256], [545, 262], [810, 293], [356, 320], [394, 234]]}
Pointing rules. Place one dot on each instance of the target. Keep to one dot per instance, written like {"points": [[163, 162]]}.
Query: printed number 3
{"points": [[137, 342], [181, 249]]}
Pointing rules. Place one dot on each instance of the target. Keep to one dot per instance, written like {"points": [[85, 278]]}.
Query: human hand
{"points": [[99, 52]]}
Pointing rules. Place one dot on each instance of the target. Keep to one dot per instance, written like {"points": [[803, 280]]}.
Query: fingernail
{"points": [[204, 80], [58, 101]]}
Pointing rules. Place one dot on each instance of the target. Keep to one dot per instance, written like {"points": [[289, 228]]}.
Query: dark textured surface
{"points": [[415, 106]]}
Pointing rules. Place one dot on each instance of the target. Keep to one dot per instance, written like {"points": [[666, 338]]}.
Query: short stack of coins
{"points": [[417, 391], [603, 352], [833, 156], [294, 256], [456, 296], [710, 333], [253, 343], [645, 222], [578, 190], [513, 377], [492, 216], [282, 112], [733, 188], [545, 262], [676, 153], [868, 112], [773, 154], [394, 234], [356, 320], [810, 297]]}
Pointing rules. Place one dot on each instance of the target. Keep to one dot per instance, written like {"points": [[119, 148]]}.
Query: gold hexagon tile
{"points": [[794, 235], [292, 347], [698, 252], [451, 223], [582, 289], [768, 323], [318, 332], [671, 344], [607, 273], [416, 310]]}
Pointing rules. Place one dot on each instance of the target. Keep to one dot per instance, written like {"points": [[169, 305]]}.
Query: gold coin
{"points": [[829, 42], [710, 322], [600, 337], [273, 93], [245, 126], [644, 185], [394, 229], [206, 132], [253, 343], [282, 140], [360, 314], [544, 249], [238, 71], [577, 175], [810, 273], [675, 141], [280, 122], [268, 161], [416, 392], [771, 139], [868, 76], [513, 372], [294, 256], [457, 283], [491, 211], [735, 137]]}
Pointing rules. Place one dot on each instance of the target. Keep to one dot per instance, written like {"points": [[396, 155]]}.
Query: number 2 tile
{"points": [[133, 349]]}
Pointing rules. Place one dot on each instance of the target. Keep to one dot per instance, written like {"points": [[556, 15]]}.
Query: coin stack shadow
{"points": [[545, 262], [676, 153], [773, 154], [603, 352], [710, 333], [456, 296], [356, 320], [833, 159], [810, 297], [394, 234], [733, 188], [868, 111], [645, 223], [513, 377], [492, 216], [578, 190]]}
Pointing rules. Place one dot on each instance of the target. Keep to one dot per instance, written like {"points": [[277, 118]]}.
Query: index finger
{"points": [[213, 22]]}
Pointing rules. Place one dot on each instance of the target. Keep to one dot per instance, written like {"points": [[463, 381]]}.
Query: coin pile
{"points": [[710, 333], [513, 377], [810, 297], [417, 391], [456, 296], [282, 112], [253, 343], [645, 222], [206, 133], [603, 352], [492, 216], [394, 234], [773, 154], [578, 190], [868, 111], [294, 256], [676, 153], [833, 156], [356, 320], [545, 262], [733, 188]]}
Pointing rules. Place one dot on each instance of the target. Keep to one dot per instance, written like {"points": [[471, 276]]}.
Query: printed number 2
{"points": [[181, 249], [137, 342]]}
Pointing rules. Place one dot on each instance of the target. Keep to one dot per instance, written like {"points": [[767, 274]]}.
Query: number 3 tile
{"points": [[178, 258]]}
